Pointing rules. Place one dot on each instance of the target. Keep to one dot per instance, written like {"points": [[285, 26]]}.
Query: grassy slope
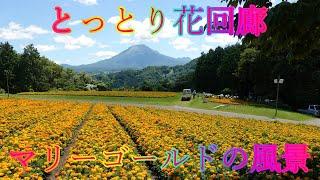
{"points": [[197, 103]]}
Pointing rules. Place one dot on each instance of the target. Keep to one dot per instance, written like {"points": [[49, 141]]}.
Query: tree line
{"points": [[29, 71], [289, 49]]}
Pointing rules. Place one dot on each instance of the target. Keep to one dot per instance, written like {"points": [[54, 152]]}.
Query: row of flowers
{"points": [[157, 131], [102, 133], [228, 101], [156, 138], [54, 125], [139, 94], [17, 114], [36, 125]]}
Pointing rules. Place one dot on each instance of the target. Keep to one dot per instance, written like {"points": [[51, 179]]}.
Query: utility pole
{"points": [[7, 74], [278, 82]]}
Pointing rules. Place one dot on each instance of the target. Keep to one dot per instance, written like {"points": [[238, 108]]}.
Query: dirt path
{"points": [[313, 122], [153, 170], [66, 150]]}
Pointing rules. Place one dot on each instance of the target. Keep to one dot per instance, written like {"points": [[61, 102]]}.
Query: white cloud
{"points": [[15, 31], [45, 48], [74, 23], [143, 29], [222, 40], [62, 61], [36, 30], [57, 62], [101, 45], [87, 2], [206, 48], [128, 41], [114, 20], [72, 43], [168, 31], [104, 54], [182, 43]]}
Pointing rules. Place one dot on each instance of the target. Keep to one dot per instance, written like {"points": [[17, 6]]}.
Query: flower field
{"points": [[163, 130], [227, 101], [83, 129], [52, 126], [139, 94], [102, 132]]}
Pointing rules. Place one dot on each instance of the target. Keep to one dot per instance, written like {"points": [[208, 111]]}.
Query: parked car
{"points": [[312, 109], [186, 95]]}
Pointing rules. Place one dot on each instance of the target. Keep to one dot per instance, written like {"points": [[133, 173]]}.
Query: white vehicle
{"points": [[186, 95], [312, 109]]}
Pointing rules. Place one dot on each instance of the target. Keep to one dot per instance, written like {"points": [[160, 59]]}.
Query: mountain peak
{"points": [[135, 57], [139, 48]]}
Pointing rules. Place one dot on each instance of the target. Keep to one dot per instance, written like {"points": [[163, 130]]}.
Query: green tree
{"points": [[206, 78], [245, 71], [228, 68], [8, 62], [30, 70]]}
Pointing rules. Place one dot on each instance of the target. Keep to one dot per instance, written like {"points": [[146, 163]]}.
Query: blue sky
{"points": [[30, 21]]}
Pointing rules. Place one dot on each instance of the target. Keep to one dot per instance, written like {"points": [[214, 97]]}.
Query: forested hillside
{"points": [[289, 49], [29, 71], [154, 78]]}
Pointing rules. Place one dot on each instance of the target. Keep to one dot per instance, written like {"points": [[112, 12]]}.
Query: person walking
{"points": [[194, 93]]}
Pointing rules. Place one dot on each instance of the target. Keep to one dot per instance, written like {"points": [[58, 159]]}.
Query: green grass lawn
{"points": [[265, 111], [248, 109], [175, 101]]}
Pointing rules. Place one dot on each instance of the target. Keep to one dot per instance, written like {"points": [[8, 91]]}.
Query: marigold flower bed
{"points": [[227, 101], [49, 130], [159, 130], [36, 125], [102, 132], [18, 114]]}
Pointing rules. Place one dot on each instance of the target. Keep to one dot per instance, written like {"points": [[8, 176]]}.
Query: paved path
{"points": [[313, 122]]}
